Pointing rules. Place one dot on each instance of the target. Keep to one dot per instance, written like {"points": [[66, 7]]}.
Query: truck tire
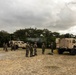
{"points": [[17, 47], [23, 47], [73, 52], [60, 51]]}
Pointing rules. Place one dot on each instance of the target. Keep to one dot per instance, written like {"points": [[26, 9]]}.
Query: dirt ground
{"points": [[15, 63]]}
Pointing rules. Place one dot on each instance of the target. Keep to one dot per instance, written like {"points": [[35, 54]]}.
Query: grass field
{"points": [[15, 63]]}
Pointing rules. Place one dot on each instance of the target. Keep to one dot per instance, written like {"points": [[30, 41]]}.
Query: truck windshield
{"points": [[74, 41], [22, 42]]}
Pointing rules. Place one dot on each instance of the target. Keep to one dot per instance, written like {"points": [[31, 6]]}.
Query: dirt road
{"points": [[15, 63]]}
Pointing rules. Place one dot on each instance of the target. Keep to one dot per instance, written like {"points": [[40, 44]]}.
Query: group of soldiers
{"points": [[32, 49], [5, 46], [51, 46]]}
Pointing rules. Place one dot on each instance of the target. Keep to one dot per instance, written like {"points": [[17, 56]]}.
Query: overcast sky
{"points": [[55, 15]]}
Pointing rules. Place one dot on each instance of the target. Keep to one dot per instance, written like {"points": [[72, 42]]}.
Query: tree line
{"points": [[39, 35]]}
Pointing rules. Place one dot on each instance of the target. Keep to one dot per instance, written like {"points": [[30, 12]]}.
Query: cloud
{"points": [[71, 30], [54, 15]]}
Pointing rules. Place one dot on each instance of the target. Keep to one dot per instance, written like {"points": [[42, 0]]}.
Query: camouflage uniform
{"points": [[31, 50], [35, 49], [27, 49], [11, 45], [43, 48], [52, 47], [6, 47], [14, 46]]}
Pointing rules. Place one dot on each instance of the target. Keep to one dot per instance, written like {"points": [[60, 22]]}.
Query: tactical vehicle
{"points": [[66, 44], [18, 44]]}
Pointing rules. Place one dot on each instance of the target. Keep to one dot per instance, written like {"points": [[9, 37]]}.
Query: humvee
{"points": [[18, 44], [66, 44]]}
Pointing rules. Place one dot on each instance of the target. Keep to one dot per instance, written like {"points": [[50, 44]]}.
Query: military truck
{"points": [[66, 44], [18, 44]]}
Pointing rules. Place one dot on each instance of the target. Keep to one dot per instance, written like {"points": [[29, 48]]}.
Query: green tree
{"points": [[4, 37]]}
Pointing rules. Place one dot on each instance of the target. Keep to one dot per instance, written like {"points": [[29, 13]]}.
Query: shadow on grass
{"points": [[52, 67], [67, 54], [49, 53]]}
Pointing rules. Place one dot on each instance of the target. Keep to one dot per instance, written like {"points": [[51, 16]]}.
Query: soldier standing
{"points": [[27, 49], [31, 50], [35, 48], [14, 46], [52, 48], [3, 46], [43, 48], [11, 45], [6, 47]]}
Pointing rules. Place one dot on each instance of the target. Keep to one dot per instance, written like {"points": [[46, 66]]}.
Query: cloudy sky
{"points": [[55, 15]]}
